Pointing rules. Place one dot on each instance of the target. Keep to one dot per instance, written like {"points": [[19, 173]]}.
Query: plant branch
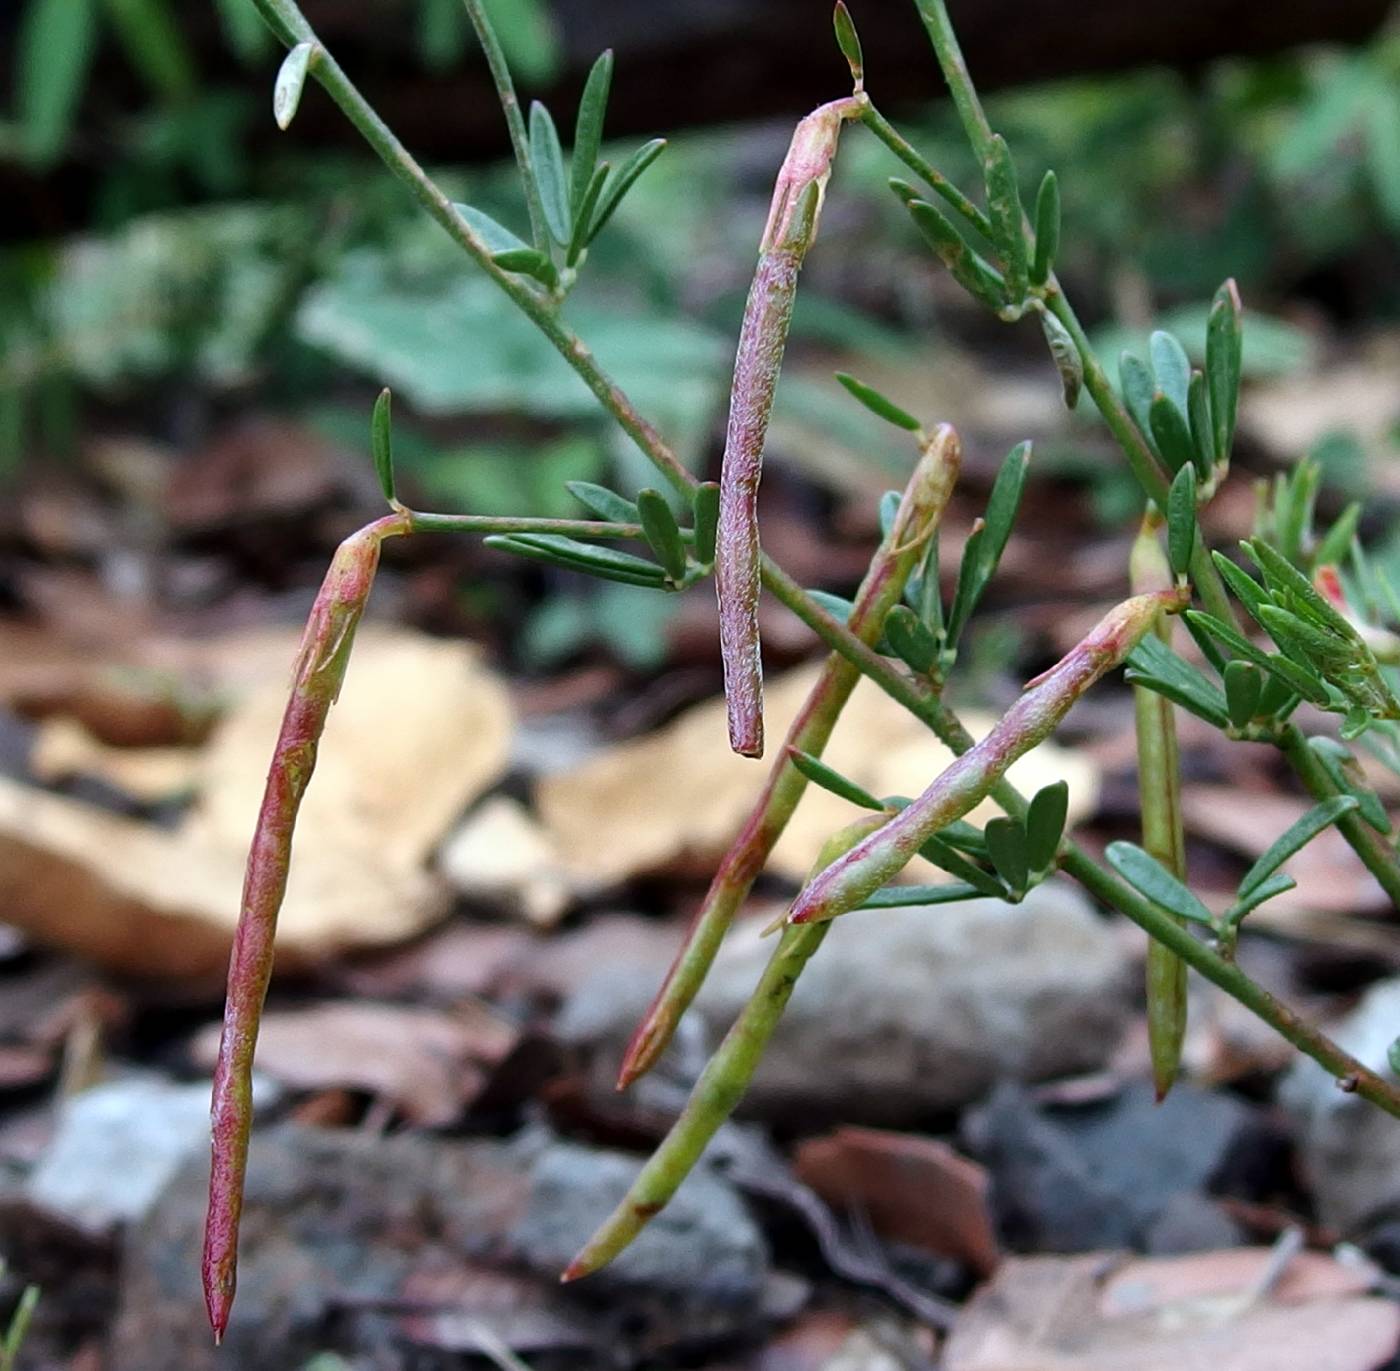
{"points": [[934, 13], [515, 123]]}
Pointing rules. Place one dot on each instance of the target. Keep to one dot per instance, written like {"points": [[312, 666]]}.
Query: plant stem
{"points": [[1381, 860], [945, 44], [921, 166], [515, 123], [1163, 832], [925, 498]]}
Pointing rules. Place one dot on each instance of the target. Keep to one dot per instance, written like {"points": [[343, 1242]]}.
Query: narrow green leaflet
{"points": [[878, 404], [705, 509], [817, 771], [528, 262], [291, 81], [583, 213], [1045, 825], [1249, 592], [381, 445], [1047, 229], [547, 167], [1006, 846], [905, 896], [1135, 381], [1065, 354], [1181, 521], [848, 40], [588, 132], [942, 853], [1265, 890], [1302, 682], [621, 182], [1171, 368], [55, 46], [911, 640], [604, 562], [1153, 664], [1224, 349], [1149, 877], [973, 272], [1170, 433], [155, 46], [1198, 420], [1299, 834], [662, 532], [889, 511], [1346, 775], [969, 585], [606, 504], [1244, 685], [495, 235], [1007, 216]]}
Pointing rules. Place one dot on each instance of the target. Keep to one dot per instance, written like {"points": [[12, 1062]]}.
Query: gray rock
{"points": [[339, 1228], [1350, 1149], [902, 1011], [116, 1147], [1085, 1178]]}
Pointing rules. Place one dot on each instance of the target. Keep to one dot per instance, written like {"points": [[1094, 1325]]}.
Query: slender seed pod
{"points": [[791, 228], [317, 678], [1159, 787], [925, 498], [722, 1082], [849, 881]]}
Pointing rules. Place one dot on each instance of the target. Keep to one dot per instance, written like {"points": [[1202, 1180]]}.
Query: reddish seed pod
{"points": [[317, 678], [791, 227]]}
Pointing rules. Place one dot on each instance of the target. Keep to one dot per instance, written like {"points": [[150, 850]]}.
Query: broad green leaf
{"points": [[1298, 835], [973, 272], [55, 46], [1181, 520], [1007, 217], [878, 404], [1171, 367], [1047, 229], [606, 504], [621, 181], [588, 133], [848, 40], [381, 444], [572, 555], [911, 640], [1006, 846], [662, 532], [1170, 433], [1244, 683], [705, 511], [1224, 358], [1045, 825], [547, 167], [828, 778], [291, 81], [1065, 354], [1149, 877]]}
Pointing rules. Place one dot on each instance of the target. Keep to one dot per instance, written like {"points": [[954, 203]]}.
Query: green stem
{"points": [[921, 166], [515, 123], [1380, 858], [945, 44]]}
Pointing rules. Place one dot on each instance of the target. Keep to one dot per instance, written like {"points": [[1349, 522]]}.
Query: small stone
{"points": [[500, 855], [1350, 1149]]}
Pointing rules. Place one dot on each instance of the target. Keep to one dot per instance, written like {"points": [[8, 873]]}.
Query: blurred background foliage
{"points": [[206, 279]]}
